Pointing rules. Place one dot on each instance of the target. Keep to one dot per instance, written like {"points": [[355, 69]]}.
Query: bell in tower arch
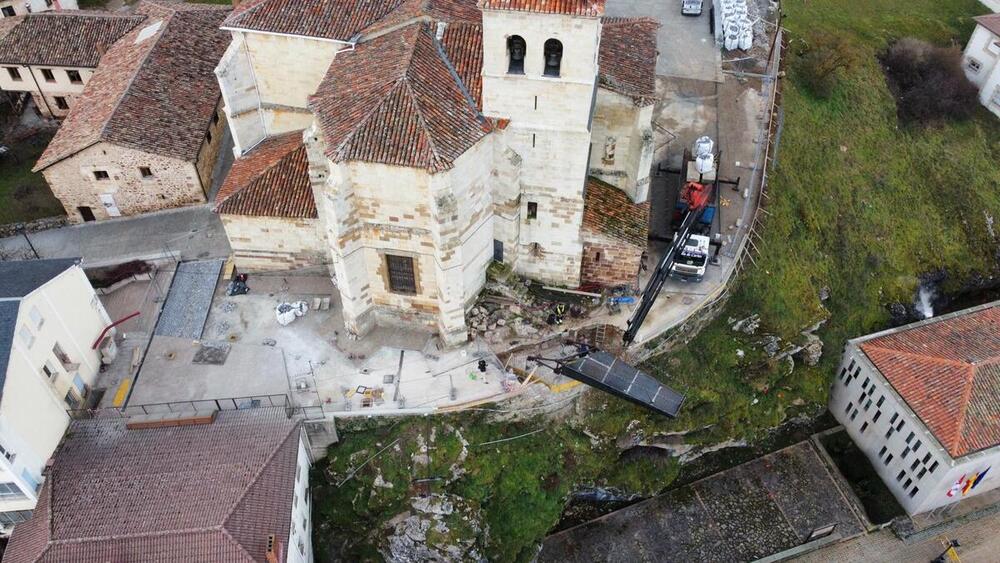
{"points": [[553, 57], [515, 53]]}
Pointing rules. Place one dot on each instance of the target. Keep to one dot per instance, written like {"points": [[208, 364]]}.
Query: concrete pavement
{"points": [[187, 233]]}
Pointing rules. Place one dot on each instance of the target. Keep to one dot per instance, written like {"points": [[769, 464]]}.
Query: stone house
{"points": [[11, 8], [145, 133], [216, 486], [267, 207], [614, 236], [443, 135], [920, 401], [980, 59], [38, 57], [51, 324]]}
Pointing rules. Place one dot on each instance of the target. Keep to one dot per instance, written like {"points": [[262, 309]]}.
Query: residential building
{"points": [[921, 401], [441, 136], [11, 8], [145, 132], [980, 60], [50, 318], [53, 55], [227, 486]]}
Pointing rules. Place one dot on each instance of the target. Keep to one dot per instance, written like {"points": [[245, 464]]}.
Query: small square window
{"points": [[927, 456], [880, 401], [900, 475], [854, 414], [973, 65], [27, 338], [909, 437], [888, 458], [882, 452], [101, 175], [913, 492], [48, 75], [923, 471], [7, 11], [892, 420], [61, 102], [15, 74], [906, 452], [36, 317], [851, 365], [934, 466], [864, 427], [908, 483], [865, 384], [74, 76], [916, 446], [72, 400], [145, 172], [843, 372], [402, 277], [888, 433], [848, 408], [913, 466], [532, 210], [878, 414], [868, 404]]}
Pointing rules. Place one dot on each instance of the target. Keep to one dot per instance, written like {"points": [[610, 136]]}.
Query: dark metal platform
{"points": [[606, 372]]}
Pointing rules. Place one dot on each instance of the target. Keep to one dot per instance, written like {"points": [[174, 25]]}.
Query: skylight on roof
{"points": [[148, 31]]}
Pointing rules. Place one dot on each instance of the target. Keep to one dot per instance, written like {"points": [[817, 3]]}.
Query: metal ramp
{"points": [[189, 299]]}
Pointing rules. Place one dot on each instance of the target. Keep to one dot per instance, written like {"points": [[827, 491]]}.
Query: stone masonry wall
{"points": [[610, 263], [619, 122], [174, 183], [209, 152], [275, 243]]}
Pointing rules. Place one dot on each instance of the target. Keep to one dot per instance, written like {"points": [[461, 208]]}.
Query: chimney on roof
{"points": [[440, 31], [272, 549]]}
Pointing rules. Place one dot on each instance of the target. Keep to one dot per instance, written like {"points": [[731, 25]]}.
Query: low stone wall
{"points": [[275, 243], [610, 263], [43, 224]]}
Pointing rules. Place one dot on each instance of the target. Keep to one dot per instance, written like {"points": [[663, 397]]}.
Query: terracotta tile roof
{"points": [[948, 372], [75, 39], [463, 44], [272, 180], [628, 58], [990, 22], [186, 493], [609, 211], [589, 8], [157, 95], [394, 100], [343, 20]]}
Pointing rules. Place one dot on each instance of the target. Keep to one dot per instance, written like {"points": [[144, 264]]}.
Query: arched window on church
{"points": [[553, 57], [515, 54]]}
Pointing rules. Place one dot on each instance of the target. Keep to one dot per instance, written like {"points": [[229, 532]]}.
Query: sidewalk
{"points": [[187, 233]]}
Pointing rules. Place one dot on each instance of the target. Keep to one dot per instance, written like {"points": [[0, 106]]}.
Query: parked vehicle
{"points": [[691, 7], [691, 261]]}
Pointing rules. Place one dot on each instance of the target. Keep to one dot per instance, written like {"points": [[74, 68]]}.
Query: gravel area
{"points": [[189, 300]]}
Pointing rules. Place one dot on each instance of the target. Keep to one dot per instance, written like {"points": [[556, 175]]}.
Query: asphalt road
{"points": [[187, 233]]}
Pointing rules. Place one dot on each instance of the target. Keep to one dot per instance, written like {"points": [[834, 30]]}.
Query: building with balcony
{"points": [[52, 56], [922, 402], [50, 318]]}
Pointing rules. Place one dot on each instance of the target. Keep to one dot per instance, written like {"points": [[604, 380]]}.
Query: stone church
{"points": [[406, 144]]}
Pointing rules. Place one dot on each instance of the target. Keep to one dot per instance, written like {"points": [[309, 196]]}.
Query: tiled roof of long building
{"points": [[155, 89], [948, 372], [394, 100], [184, 493], [609, 211], [272, 180], [628, 58], [343, 20], [589, 8], [73, 39]]}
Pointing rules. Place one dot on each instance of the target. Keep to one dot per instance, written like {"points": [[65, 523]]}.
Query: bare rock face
{"points": [[812, 351], [440, 527]]}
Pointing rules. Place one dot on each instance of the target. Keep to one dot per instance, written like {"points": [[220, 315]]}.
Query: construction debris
{"points": [[288, 312]]}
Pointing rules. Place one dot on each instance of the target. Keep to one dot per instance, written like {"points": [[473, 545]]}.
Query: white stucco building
{"points": [[980, 60], [11, 8], [50, 318], [439, 137], [922, 402]]}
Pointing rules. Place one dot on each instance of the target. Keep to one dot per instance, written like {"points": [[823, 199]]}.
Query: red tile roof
{"points": [[186, 493], [74, 39], [157, 95], [272, 180], [948, 372], [990, 22], [589, 8], [343, 20], [394, 100], [628, 58], [609, 211]]}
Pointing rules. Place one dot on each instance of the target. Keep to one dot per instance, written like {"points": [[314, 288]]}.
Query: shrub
{"points": [[928, 82], [823, 58]]}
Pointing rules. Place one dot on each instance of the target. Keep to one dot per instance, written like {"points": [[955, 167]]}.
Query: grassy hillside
{"points": [[858, 205]]}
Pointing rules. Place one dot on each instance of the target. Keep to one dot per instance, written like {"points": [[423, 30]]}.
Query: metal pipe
{"points": [[111, 326]]}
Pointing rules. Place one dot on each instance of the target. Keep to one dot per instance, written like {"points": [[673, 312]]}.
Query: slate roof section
{"points": [[343, 20], [272, 180], [185, 493], [18, 278], [990, 21], [628, 58], [8, 326], [157, 95], [611, 212], [73, 38], [587, 8], [948, 372], [394, 100]]}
